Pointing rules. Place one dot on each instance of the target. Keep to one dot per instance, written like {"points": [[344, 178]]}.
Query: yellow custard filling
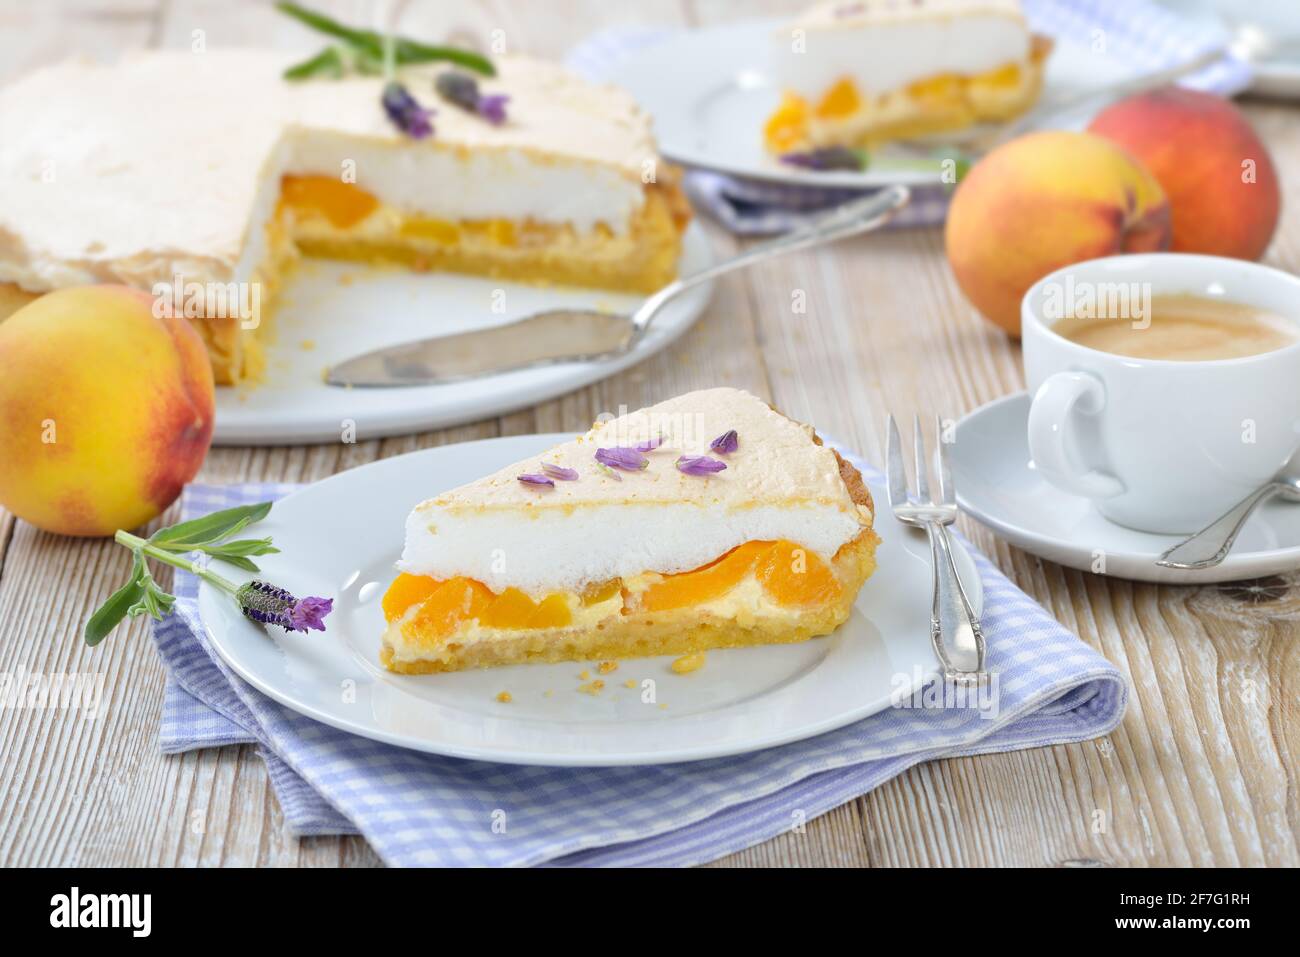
{"points": [[788, 575]]}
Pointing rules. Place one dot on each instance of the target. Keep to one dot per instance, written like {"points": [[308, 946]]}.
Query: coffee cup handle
{"points": [[1058, 402]]}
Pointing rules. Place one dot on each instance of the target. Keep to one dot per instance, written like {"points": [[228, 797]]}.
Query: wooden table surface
{"points": [[1203, 770]]}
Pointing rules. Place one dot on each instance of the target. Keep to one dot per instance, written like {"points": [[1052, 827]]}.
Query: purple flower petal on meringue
{"points": [[699, 465], [627, 459], [726, 443], [531, 478], [649, 445], [559, 472], [405, 112], [492, 107], [462, 89]]}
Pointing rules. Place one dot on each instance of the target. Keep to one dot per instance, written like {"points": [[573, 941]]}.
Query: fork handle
{"points": [[954, 626]]}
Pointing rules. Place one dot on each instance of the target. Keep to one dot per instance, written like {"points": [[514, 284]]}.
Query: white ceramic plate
{"points": [[711, 90], [340, 538], [1279, 20], [332, 311], [997, 484]]}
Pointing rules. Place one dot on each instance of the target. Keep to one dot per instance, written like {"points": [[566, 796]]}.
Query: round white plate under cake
{"points": [[998, 485], [710, 93], [340, 538], [333, 311]]}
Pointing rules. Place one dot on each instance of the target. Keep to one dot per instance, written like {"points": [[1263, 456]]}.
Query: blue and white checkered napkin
{"points": [[420, 809], [1149, 36]]}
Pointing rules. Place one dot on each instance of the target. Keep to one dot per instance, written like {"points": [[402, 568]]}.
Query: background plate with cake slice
{"points": [[737, 97], [676, 610]]}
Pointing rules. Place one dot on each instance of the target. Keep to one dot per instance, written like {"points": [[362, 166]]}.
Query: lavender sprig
{"points": [[406, 112], [367, 48], [829, 158], [699, 465], [210, 536], [625, 458], [462, 89], [272, 605]]}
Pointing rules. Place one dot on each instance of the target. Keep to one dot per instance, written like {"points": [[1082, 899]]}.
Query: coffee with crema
{"points": [[1186, 328]]}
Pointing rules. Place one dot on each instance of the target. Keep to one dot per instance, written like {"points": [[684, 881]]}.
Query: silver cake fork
{"points": [[954, 626]]}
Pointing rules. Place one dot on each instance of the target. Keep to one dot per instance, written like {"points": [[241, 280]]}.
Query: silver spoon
{"points": [[1210, 546]]}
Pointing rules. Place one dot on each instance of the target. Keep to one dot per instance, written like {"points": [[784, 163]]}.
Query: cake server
{"points": [[568, 335]]}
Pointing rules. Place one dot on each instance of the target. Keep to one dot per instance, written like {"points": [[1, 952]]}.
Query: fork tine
{"points": [[947, 492], [922, 482], [894, 465]]}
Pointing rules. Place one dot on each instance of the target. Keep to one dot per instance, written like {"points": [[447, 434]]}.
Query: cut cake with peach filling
{"points": [[642, 537], [215, 171]]}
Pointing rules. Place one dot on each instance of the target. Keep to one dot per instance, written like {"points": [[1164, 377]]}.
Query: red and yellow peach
{"points": [[106, 410]]}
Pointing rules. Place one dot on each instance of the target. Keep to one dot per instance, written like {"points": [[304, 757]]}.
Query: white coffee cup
{"points": [[1159, 445]]}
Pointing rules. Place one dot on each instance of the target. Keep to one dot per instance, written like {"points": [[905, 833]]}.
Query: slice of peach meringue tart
{"points": [[706, 521]]}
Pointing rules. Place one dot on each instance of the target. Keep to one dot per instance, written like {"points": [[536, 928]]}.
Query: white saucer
{"points": [[997, 484], [340, 538], [335, 310]]}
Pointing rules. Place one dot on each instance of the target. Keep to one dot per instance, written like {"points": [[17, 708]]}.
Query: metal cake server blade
{"points": [[561, 335], [566, 335]]}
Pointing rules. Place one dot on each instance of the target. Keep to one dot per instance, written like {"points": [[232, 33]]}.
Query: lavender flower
{"points": [[272, 605], [726, 443], [627, 459], [462, 89], [649, 445], [407, 114], [532, 478], [828, 158], [310, 613], [492, 107], [699, 465], [559, 472]]}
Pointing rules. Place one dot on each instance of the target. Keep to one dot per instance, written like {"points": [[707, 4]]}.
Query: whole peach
{"points": [[105, 410], [1222, 185], [1043, 201]]}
